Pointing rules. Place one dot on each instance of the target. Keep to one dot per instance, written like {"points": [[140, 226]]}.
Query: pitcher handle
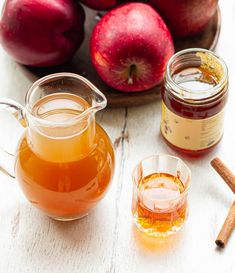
{"points": [[17, 110]]}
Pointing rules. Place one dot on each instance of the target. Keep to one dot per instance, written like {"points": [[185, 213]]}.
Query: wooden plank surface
{"points": [[106, 241]]}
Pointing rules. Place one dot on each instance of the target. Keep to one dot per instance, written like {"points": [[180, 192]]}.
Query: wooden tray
{"points": [[81, 63]]}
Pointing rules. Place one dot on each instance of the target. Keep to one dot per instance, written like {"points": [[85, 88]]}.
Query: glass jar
{"points": [[194, 95]]}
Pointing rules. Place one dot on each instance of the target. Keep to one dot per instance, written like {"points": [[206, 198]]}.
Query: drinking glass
{"points": [[160, 191]]}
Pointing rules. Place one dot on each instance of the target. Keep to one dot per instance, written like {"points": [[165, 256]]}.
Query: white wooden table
{"points": [[106, 241]]}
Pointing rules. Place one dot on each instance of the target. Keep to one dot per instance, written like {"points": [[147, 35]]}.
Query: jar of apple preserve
{"points": [[194, 96]]}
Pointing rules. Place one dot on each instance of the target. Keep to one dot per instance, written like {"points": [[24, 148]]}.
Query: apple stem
{"points": [[132, 72]]}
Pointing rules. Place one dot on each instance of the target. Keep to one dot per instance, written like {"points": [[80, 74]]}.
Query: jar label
{"points": [[191, 134]]}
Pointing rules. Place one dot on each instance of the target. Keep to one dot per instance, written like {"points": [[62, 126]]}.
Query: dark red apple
{"points": [[130, 47], [41, 33], [186, 17], [100, 4]]}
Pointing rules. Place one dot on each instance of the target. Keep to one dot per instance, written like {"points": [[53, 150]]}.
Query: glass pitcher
{"points": [[64, 161]]}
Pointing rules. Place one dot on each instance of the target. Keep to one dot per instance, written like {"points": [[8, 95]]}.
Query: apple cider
{"points": [[160, 192], [64, 170], [155, 209]]}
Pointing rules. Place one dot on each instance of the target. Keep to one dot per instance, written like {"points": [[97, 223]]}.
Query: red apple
{"points": [[100, 4], [41, 33], [186, 17], [130, 47]]}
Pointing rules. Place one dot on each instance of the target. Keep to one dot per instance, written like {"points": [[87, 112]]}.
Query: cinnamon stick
{"points": [[229, 223], [227, 228], [224, 172]]}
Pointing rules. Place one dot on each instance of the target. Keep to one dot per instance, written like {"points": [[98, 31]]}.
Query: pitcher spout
{"points": [[61, 109], [66, 83], [96, 97]]}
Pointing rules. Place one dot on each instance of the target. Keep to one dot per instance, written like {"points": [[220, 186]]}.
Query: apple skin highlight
{"points": [[130, 47], [186, 17], [42, 33]]}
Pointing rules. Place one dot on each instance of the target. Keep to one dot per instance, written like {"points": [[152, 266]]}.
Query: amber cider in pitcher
{"points": [[65, 160]]}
